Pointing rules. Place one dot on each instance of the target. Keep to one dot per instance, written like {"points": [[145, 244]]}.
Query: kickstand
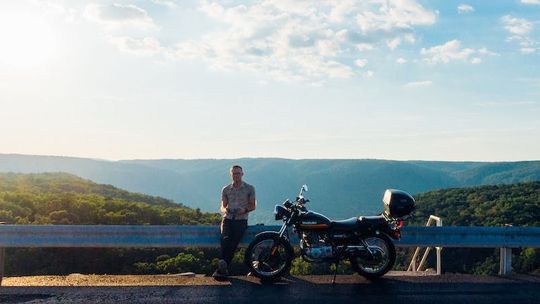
{"points": [[335, 273]]}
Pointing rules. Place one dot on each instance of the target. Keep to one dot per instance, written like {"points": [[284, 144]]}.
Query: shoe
{"points": [[222, 270], [217, 275]]}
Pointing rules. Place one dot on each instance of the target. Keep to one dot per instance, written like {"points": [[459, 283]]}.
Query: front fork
{"points": [[282, 231]]}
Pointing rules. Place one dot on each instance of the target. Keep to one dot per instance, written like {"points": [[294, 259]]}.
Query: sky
{"points": [[404, 79]]}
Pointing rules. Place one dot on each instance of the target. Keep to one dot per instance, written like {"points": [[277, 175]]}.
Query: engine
{"points": [[314, 246]]}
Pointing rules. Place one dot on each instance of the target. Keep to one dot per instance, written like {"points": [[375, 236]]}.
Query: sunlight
{"points": [[27, 40]]}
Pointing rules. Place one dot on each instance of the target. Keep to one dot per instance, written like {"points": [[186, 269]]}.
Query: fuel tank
{"points": [[313, 220]]}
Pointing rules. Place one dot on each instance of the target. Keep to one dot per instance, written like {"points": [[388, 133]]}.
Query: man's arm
{"points": [[224, 201], [252, 205], [223, 207], [252, 202]]}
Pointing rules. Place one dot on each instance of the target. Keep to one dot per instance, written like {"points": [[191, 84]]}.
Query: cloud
{"points": [[119, 15], [360, 62], [452, 51], [465, 8], [401, 60], [520, 29], [394, 14], [418, 84], [303, 40], [516, 26], [527, 50], [147, 46], [534, 2], [69, 15], [394, 43], [167, 3], [365, 47]]}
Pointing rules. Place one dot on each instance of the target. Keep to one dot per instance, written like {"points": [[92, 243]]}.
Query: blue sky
{"points": [[433, 80]]}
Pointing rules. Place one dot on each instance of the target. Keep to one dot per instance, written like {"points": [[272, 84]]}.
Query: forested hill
{"points": [[61, 198], [338, 188], [516, 204]]}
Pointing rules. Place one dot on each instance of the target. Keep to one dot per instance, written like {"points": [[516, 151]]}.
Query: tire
{"points": [[358, 264], [259, 251]]}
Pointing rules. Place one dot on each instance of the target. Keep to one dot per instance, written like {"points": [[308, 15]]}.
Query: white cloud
{"points": [[70, 15], [527, 50], [368, 74], [401, 60], [303, 40], [118, 15], [360, 62], [452, 51], [418, 84], [465, 8], [520, 30], [536, 2], [394, 43], [518, 26], [167, 3], [147, 46], [392, 15], [485, 51], [365, 47]]}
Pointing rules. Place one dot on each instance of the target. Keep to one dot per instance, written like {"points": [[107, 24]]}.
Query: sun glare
{"points": [[27, 40]]}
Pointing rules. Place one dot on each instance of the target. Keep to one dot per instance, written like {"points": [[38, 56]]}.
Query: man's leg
{"points": [[227, 235], [238, 230]]}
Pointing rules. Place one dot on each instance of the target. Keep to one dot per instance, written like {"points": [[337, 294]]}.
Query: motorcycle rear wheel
{"points": [[385, 257], [268, 256]]}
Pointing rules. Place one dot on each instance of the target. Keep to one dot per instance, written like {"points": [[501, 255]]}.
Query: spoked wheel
{"points": [[384, 257], [268, 256]]}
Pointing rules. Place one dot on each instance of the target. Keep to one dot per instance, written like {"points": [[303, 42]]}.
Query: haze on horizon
{"points": [[402, 80]]}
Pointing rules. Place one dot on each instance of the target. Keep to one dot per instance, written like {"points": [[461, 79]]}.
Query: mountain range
{"points": [[338, 188]]}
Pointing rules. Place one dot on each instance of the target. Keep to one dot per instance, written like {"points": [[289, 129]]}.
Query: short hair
{"points": [[237, 167]]}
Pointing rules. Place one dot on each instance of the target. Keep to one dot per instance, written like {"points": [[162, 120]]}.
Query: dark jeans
{"points": [[231, 233]]}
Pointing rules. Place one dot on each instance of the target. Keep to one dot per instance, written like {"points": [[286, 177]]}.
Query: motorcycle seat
{"points": [[371, 220], [345, 224]]}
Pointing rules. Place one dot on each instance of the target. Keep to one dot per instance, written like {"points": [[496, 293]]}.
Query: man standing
{"points": [[237, 200]]}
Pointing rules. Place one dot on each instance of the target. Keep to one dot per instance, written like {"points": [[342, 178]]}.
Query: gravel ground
{"points": [[109, 280], [77, 279]]}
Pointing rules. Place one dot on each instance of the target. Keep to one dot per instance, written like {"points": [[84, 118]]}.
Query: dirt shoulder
{"points": [[201, 280]]}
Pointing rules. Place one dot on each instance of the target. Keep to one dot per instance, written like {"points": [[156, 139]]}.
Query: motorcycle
{"points": [[366, 241]]}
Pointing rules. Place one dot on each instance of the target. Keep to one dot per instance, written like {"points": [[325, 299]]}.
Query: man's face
{"points": [[236, 174]]}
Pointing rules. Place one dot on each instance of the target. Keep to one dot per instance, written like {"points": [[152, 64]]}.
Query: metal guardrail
{"points": [[208, 236]]}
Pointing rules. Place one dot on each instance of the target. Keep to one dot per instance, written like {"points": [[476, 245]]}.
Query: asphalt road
{"points": [[448, 288]]}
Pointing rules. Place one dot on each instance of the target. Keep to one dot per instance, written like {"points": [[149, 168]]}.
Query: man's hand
{"points": [[232, 211]]}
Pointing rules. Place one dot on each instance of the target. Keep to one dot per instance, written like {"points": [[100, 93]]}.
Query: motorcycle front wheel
{"points": [[384, 257], [268, 256]]}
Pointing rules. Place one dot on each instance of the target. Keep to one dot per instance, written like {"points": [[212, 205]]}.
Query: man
{"points": [[237, 200]]}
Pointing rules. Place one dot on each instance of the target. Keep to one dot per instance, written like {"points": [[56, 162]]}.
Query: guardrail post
{"points": [[506, 261], [412, 265], [2, 254], [439, 266]]}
